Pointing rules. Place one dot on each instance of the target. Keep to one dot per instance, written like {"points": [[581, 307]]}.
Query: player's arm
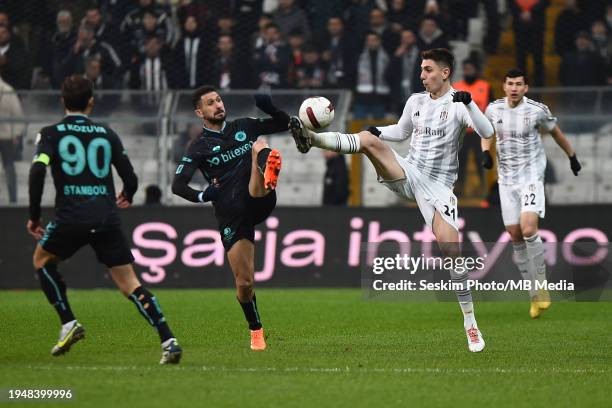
{"points": [[182, 176], [279, 120], [565, 144], [36, 183], [475, 118], [124, 168], [398, 132], [485, 144]]}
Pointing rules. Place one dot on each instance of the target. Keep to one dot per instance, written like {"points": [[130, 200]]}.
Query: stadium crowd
{"points": [[370, 46]]}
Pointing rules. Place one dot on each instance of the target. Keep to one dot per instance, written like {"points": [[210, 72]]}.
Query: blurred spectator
{"points": [[491, 40], [311, 74], [153, 195], [357, 18], [336, 179], [147, 29], [15, 64], [6, 22], [183, 140], [191, 56], [225, 26], [246, 14], [228, 70], [602, 42], [570, 21], [143, 21], [296, 44], [528, 24], [150, 73], [289, 17], [339, 53], [430, 35], [378, 24], [583, 66], [373, 92], [86, 46], [609, 15], [272, 60], [320, 11], [101, 82], [103, 31], [405, 71], [482, 95], [58, 49], [259, 38], [399, 16], [10, 135]]}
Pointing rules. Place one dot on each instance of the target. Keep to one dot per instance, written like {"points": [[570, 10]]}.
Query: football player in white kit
{"points": [[436, 120], [519, 124]]}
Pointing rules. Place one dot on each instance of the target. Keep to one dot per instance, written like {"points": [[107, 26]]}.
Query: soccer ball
{"points": [[316, 112]]}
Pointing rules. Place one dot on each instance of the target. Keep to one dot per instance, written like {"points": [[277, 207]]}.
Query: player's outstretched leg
{"points": [[149, 308], [448, 239], [241, 258], [380, 155], [54, 287], [265, 169]]}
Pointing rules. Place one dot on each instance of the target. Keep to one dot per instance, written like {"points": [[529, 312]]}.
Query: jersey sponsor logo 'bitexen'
{"points": [[231, 154]]}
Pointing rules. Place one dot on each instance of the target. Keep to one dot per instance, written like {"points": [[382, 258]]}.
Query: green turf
{"points": [[325, 348]]}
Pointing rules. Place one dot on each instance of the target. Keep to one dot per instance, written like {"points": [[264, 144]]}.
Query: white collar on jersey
{"points": [[68, 113], [216, 131]]}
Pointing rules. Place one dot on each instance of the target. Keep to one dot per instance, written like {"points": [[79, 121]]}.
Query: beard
{"points": [[216, 119]]}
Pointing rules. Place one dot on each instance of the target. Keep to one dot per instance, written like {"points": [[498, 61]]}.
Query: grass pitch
{"points": [[325, 348]]}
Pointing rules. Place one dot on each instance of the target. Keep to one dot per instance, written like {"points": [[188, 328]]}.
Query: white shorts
{"points": [[430, 195], [519, 198]]}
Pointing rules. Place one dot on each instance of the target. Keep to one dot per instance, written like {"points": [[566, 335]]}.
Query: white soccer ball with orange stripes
{"points": [[316, 112]]}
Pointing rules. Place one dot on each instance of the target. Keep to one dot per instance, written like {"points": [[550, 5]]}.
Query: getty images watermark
{"points": [[419, 271]]}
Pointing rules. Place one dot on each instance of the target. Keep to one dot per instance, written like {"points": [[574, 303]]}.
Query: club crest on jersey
{"points": [[532, 188], [452, 201], [527, 121], [240, 136], [444, 115]]}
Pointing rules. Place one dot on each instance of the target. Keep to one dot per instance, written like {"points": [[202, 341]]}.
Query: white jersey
{"points": [[437, 127], [520, 153]]}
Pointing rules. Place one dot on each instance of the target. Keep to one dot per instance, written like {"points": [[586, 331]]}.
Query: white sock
{"points": [[535, 249], [338, 142], [469, 319], [167, 342], [521, 259]]}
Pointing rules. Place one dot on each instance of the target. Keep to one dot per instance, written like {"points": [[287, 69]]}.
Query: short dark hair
{"points": [[198, 93], [76, 93], [515, 73], [441, 56]]}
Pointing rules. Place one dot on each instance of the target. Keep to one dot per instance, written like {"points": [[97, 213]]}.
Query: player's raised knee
{"points": [[258, 146], [369, 142]]}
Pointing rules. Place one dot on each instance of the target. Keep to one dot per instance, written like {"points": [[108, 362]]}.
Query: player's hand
{"points": [[487, 160], [374, 130], [264, 102], [211, 193], [122, 201], [575, 164], [461, 96], [34, 229]]}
